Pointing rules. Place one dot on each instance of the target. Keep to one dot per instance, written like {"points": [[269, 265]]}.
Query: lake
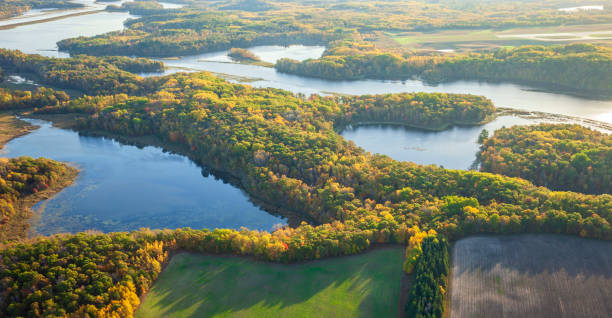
{"points": [[41, 38], [168, 5], [454, 148], [123, 187], [582, 8], [502, 94]]}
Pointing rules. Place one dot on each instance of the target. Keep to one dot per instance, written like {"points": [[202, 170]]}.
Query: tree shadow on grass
{"points": [[203, 286]]}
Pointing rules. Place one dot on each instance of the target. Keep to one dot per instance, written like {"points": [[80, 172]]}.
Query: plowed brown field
{"points": [[531, 276]]}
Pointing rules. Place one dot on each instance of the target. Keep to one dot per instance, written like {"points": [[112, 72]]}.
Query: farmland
{"points": [[366, 285], [470, 39], [202, 196], [531, 276]]}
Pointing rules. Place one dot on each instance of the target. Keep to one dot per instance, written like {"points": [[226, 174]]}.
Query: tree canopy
{"points": [[560, 157]]}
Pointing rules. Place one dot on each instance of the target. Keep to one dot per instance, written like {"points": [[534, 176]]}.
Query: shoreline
{"points": [[527, 85], [69, 121], [12, 127], [244, 62], [533, 114], [18, 226], [444, 127], [500, 112], [70, 15], [293, 218]]}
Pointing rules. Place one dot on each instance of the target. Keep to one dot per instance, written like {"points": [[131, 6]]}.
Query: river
{"points": [[454, 148], [502, 94], [41, 38], [123, 187]]}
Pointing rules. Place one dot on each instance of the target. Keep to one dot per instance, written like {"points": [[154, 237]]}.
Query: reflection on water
{"points": [[168, 5], [454, 148], [123, 187], [267, 53], [41, 38], [502, 94], [582, 8], [34, 15]]}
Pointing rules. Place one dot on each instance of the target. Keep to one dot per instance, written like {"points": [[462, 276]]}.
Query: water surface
{"points": [[582, 8], [168, 5], [502, 94], [220, 62], [41, 38], [454, 148], [123, 187]]}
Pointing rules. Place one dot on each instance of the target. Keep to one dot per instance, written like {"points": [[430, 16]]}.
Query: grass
{"points": [[601, 35], [366, 285], [444, 37], [12, 127], [459, 38], [531, 276]]}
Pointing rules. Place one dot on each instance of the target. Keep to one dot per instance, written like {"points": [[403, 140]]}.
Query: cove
{"points": [[122, 188], [454, 148]]}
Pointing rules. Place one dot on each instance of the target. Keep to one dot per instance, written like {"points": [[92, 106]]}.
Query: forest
{"points": [[184, 33], [354, 51], [575, 67], [90, 75], [560, 157], [209, 26], [285, 150], [239, 54], [430, 279], [432, 111], [42, 96], [138, 7], [20, 177]]}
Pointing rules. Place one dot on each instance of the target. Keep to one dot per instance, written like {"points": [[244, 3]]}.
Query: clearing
{"points": [[365, 285], [488, 38]]}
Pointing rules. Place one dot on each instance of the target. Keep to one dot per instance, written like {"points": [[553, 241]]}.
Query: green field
{"points": [[366, 285]]}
